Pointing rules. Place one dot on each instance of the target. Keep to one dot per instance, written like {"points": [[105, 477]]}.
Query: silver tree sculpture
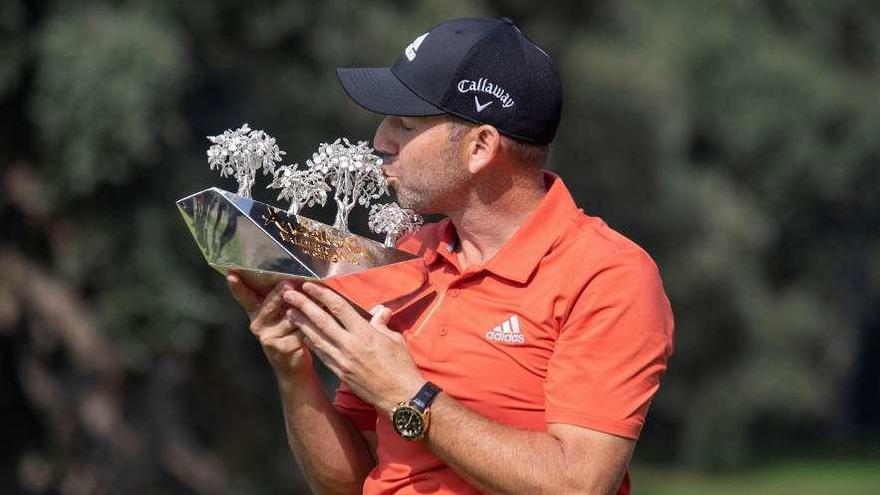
{"points": [[394, 221], [303, 187], [241, 153], [355, 173]]}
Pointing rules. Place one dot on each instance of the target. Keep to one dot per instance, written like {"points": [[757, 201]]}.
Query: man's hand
{"points": [[375, 363], [333, 455], [368, 356], [281, 342]]}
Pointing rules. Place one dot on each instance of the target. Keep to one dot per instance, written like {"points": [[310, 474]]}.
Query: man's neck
{"points": [[485, 222]]}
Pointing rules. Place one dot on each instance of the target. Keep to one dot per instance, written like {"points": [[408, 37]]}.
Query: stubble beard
{"points": [[438, 188], [417, 197]]}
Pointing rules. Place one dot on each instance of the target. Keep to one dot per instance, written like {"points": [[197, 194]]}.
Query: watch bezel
{"points": [[424, 418]]}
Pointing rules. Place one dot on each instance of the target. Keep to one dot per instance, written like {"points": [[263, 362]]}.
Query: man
{"points": [[529, 363]]}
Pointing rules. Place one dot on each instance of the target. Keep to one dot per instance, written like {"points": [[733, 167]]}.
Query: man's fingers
{"points": [[329, 363], [315, 338], [291, 342], [296, 317], [248, 299], [316, 315], [272, 303], [335, 304]]}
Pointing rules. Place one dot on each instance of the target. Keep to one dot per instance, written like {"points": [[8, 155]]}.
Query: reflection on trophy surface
{"points": [[266, 244]]}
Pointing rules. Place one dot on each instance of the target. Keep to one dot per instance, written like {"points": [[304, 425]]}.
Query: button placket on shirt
{"points": [[437, 332], [440, 348]]}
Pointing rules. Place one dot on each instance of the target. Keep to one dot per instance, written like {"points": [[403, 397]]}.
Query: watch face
{"points": [[408, 422]]}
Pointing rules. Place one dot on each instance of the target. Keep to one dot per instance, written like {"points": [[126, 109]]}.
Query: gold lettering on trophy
{"points": [[316, 240], [350, 250]]}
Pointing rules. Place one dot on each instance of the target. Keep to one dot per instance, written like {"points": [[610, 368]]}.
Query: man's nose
{"points": [[383, 141]]}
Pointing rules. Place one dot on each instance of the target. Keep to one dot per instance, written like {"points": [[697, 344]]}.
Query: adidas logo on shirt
{"points": [[507, 332]]}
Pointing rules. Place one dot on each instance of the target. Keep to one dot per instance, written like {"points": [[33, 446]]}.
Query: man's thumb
{"points": [[380, 319], [248, 299]]}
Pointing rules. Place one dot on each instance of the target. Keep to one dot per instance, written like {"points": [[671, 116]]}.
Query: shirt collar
{"points": [[520, 255], [445, 245]]}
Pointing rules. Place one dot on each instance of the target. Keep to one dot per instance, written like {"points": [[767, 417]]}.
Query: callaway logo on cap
{"points": [[482, 70]]}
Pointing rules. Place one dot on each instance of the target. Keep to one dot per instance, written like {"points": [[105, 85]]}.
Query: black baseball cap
{"points": [[482, 70]]}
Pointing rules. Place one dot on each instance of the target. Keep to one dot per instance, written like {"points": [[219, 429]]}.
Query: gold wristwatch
{"points": [[411, 419]]}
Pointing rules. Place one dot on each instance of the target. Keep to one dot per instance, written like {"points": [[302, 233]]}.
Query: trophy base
{"points": [[393, 286]]}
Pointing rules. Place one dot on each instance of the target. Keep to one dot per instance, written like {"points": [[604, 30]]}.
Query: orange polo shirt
{"points": [[567, 323]]}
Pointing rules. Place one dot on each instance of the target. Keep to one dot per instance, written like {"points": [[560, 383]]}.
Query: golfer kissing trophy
{"points": [[265, 244]]}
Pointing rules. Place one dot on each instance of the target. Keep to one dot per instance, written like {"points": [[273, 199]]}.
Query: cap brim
{"points": [[378, 90]]}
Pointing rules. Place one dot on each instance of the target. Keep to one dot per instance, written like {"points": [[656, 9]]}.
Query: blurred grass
{"points": [[854, 477]]}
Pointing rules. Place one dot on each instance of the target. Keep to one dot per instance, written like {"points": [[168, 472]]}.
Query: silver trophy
{"points": [[265, 244], [394, 221]]}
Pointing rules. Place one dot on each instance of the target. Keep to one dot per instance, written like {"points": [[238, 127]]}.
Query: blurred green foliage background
{"points": [[737, 141]]}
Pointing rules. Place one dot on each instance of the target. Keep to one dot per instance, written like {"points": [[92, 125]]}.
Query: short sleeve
{"points": [[612, 347], [358, 412]]}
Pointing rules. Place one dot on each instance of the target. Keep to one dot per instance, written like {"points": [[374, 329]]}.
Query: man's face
{"points": [[422, 165]]}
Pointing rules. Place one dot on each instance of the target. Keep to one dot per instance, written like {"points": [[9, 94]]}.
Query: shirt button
{"points": [[443, 331], [455, 292]]}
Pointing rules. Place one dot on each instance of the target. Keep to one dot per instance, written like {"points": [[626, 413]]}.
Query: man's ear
{"points": [[484, 147]]}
